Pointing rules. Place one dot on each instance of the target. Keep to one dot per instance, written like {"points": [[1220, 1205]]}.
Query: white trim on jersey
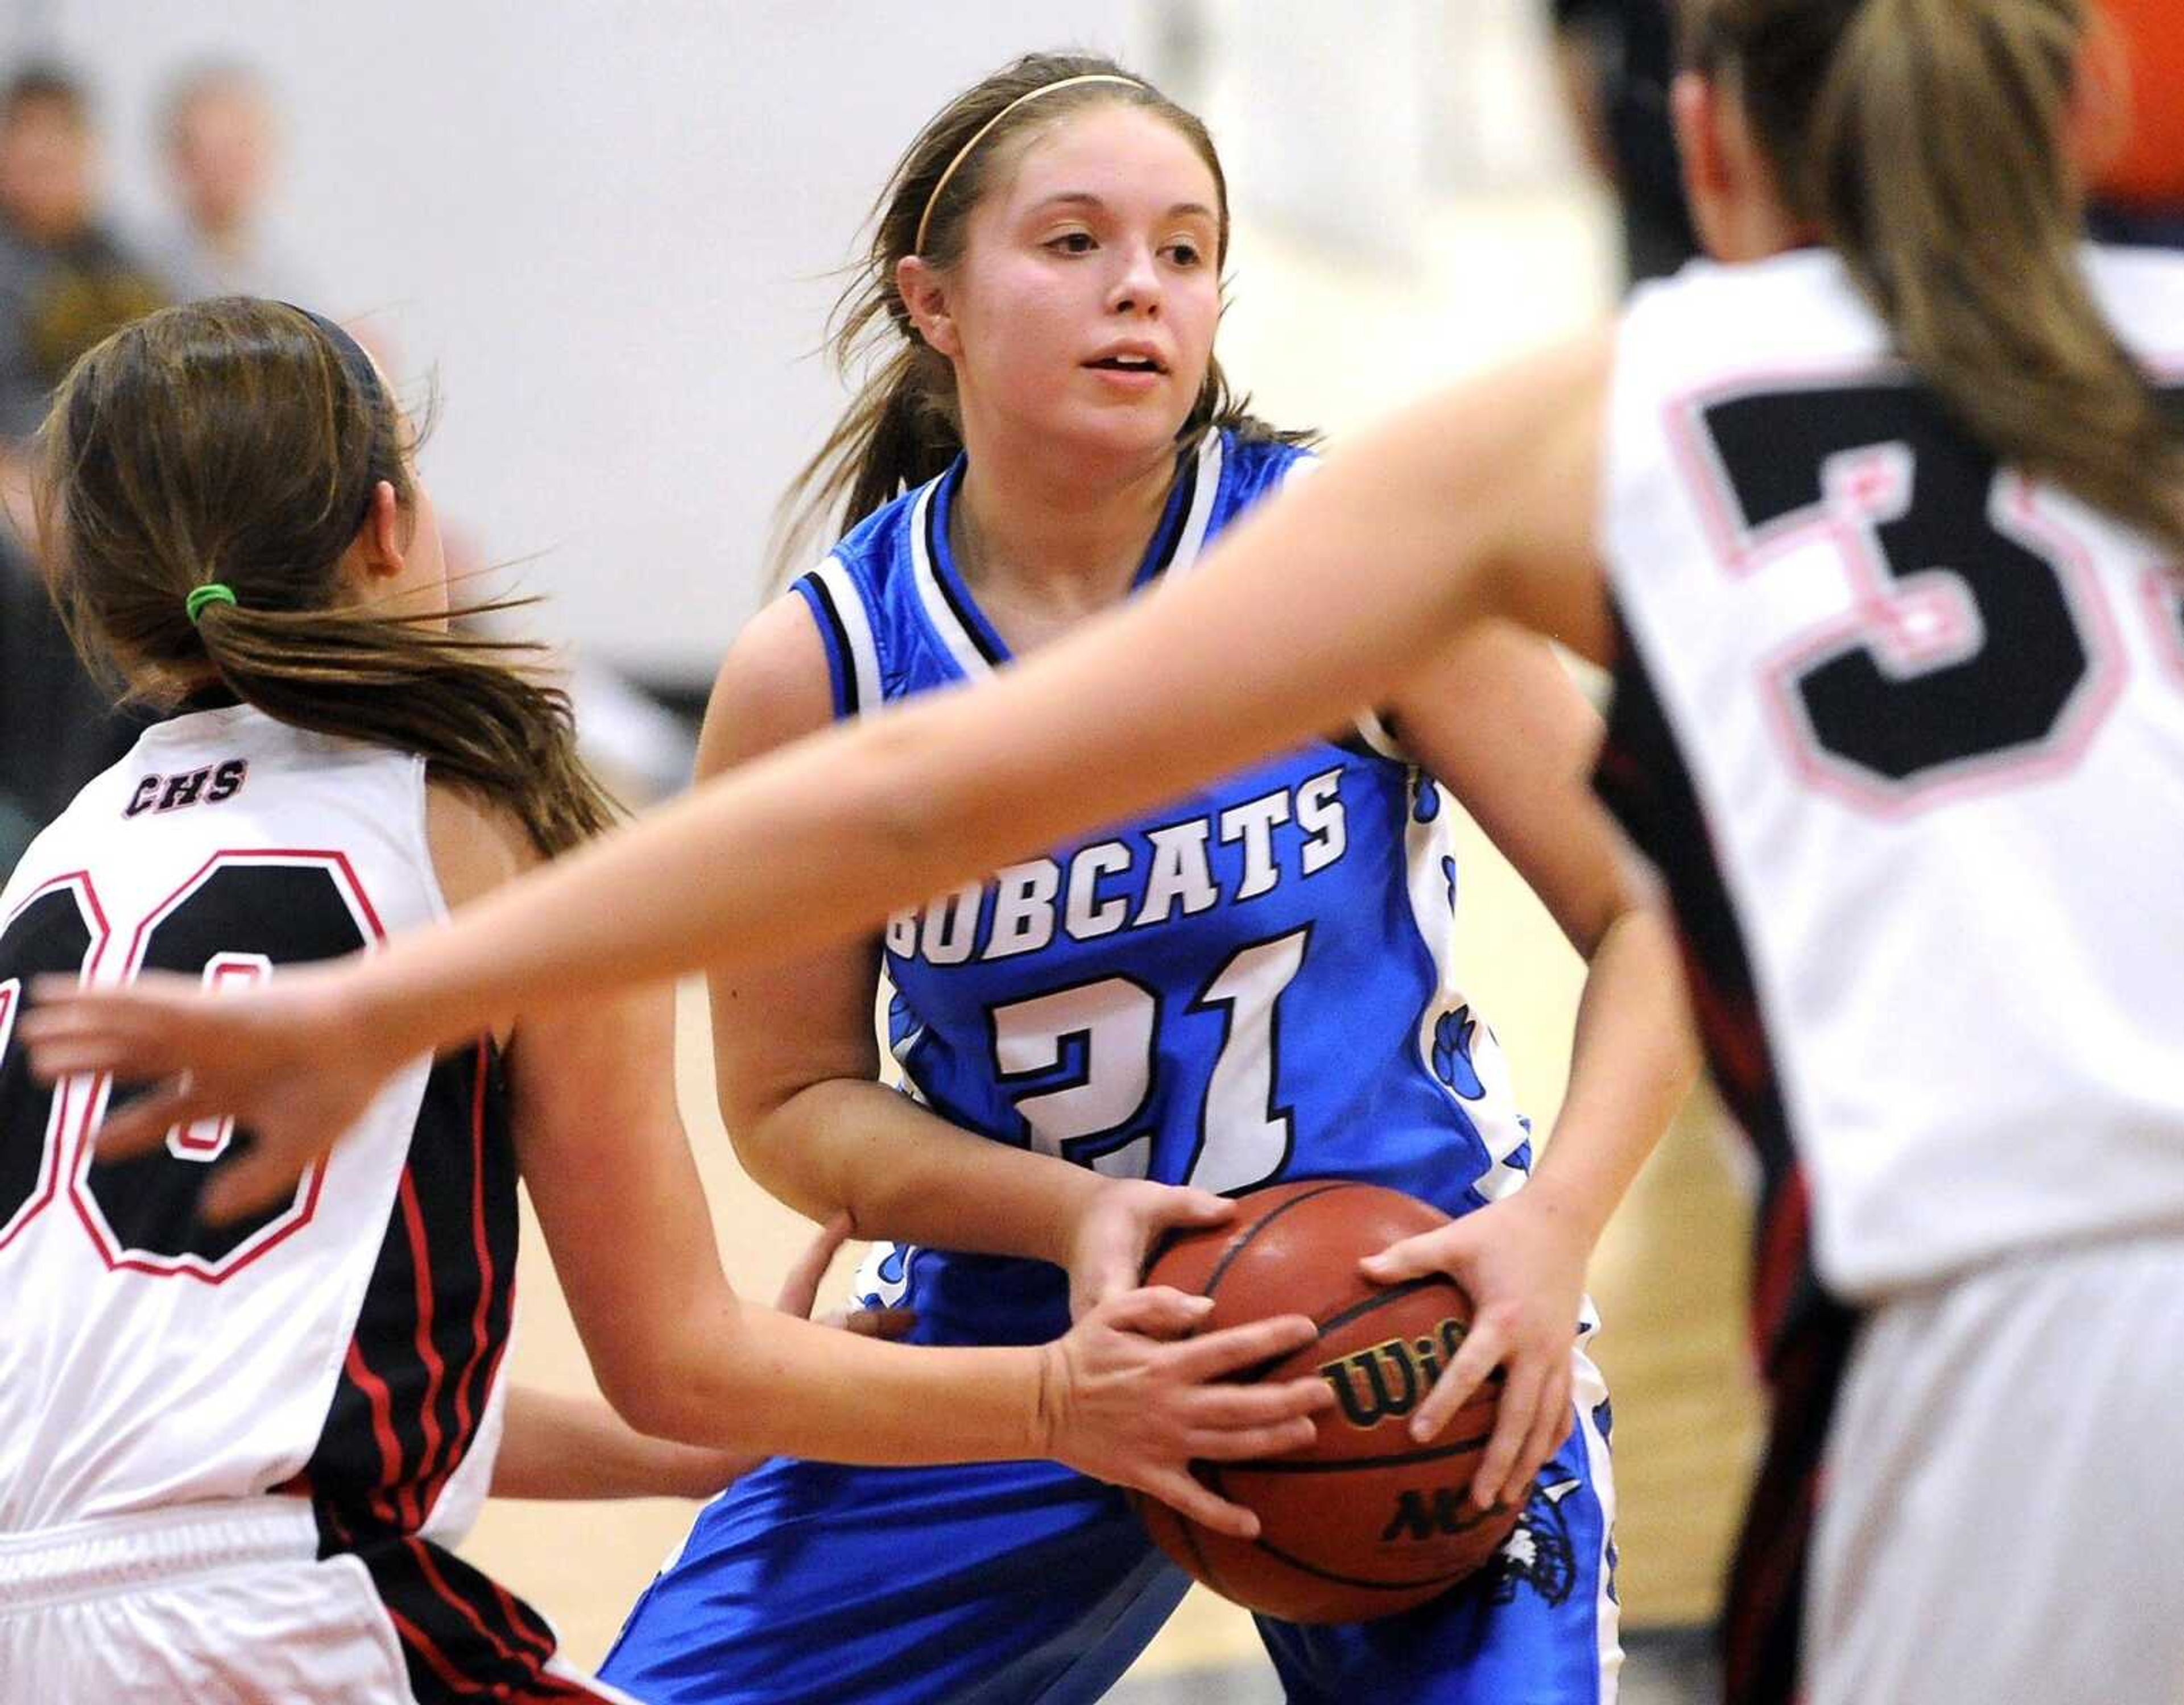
{"points": [[939, 614], [1192, 539], [856, 621], [1588, 1391], [1380, 738], [1429, 854]]}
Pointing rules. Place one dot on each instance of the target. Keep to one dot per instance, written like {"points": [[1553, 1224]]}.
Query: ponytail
{"points": [[1939, 167], [240, 443], [475, 707]]}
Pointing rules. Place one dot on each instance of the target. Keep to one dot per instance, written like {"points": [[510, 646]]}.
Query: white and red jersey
{"points": [[1905, 733], [346, 1343]]}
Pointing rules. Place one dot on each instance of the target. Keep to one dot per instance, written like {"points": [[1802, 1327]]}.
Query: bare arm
{"points": [[794, 1048], [554, 1445], [558, 1445], [1498, 719], [680, 1357]]}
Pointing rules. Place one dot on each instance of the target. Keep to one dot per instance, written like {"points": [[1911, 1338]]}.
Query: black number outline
{"points": [[1882, 593], [1093, 1147], [55, 1139], [118, 1256]]}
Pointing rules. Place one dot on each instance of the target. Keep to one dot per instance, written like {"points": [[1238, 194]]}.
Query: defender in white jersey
{"points": [[234, 1450], [1880, 523]]}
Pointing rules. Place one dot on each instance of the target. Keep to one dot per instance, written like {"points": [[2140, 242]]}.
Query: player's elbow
{"points": [[653, 1408], [780, 1137], [685, 1381]]}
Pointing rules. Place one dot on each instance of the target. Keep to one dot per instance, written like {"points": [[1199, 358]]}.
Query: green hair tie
{"points": [[211, 592]]}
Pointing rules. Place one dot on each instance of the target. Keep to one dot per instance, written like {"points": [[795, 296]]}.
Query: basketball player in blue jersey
{"points": [[1878, 521], [1252, 983]]}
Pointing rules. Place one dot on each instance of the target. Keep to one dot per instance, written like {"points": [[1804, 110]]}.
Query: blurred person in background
{"points": [[221, 146], [65, 281], [1615, 60]]}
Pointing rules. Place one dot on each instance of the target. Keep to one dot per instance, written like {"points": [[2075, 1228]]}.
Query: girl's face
{"points": [[1082, 309]]}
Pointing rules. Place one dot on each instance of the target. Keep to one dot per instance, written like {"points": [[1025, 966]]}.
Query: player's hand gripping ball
{"points": [[1367, 1521]]}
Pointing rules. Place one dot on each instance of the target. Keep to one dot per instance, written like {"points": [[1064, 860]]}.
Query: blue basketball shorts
{"points": [[1011, 1583]]}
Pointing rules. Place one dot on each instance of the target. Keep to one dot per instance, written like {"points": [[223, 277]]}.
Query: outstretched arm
{"points": [[560, 1445], [681, 1356], [1478, 502]]}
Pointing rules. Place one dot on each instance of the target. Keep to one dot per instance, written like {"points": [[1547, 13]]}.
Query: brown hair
{"points": [[1926, 140], [235, 441], [902, 428], [44, 85]]}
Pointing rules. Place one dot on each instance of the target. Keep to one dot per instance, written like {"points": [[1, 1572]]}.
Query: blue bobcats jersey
{"points": [[1251, 984]]}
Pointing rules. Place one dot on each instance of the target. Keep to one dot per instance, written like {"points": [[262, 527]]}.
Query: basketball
{"points": [[1365, 1521]]}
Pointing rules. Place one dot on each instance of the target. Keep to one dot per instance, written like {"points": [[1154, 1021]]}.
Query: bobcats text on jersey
{"points": [[1135, 882]]}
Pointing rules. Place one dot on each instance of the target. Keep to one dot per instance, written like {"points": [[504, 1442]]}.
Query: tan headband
{"points": [[963, 153]]}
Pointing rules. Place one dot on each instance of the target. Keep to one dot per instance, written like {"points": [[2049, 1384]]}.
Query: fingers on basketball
{"points": [[1357, 1519], [1484, 1347], [1157, 1311]]}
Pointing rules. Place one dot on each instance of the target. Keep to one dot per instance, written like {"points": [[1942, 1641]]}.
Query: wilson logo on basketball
{"points": [[1386, 1381]]}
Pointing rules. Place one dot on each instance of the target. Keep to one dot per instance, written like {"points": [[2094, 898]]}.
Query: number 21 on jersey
{"points": [[1101, 1036]]}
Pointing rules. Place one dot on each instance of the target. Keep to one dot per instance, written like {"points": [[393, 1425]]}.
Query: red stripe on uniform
{"points": [[538, 1685], [525, 1655], [414, 1639], [1779, 1261], [482, 1367], [382, 1429], [520, 1615], [478, 1243], [420, 1263]]}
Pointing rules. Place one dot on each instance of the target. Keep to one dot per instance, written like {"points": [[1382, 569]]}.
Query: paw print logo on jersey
{"points": [[1452, 1054], [883, 1277], [1448, 875], [1540, 1554], [1425, 797]]}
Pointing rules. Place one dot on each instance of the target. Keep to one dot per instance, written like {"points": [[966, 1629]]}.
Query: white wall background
{"points": [[608, 225]]}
